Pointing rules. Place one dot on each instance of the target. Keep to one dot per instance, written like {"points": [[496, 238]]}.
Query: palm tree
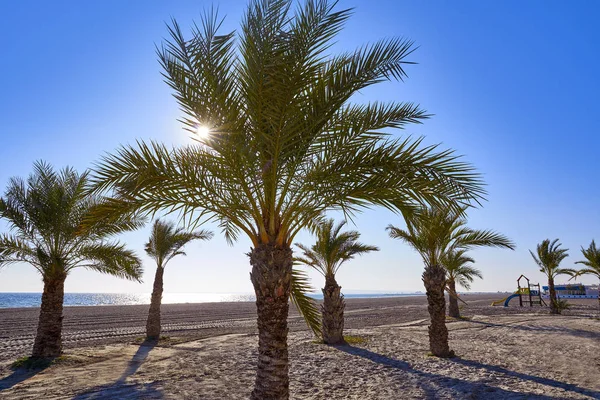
{"points": [[166, 242], [592, 262], [279, 144], [458, 270], [47, 215], [327, 255], [433, 233], [548, 257]]}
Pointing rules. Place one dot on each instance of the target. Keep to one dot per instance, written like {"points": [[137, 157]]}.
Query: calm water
{"points": [[8, 300]]}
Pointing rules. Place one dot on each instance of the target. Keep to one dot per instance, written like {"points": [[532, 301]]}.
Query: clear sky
{"points": [[513, 86]]}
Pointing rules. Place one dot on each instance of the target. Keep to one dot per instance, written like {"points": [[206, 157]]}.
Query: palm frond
{"points": [[591, 261], [49, 215], [305, 304], [332, 248], [548, 257], [167, 241], [286, 143], [111, 258]]}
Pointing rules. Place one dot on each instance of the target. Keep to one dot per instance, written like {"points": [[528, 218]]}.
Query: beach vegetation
{"points": [[166, 242], [434, 233], [548, 257], [35, 363], [49, 229], [591, 262], [354, 340], [332, 249], [562, 305], [459, 270], [278, 143]]}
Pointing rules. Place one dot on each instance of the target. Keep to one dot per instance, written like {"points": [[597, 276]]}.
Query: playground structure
{"points": [[527, 294]]}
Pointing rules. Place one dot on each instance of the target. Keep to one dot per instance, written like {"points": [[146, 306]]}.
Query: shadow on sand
{"points": [[547, 329], [19, 375], [122, 390], [435, 385]]}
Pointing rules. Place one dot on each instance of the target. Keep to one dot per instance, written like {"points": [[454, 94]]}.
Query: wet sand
{"points": [[210, 353]]}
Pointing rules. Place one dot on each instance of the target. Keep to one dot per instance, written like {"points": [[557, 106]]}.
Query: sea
{"points": [[13, 300]]}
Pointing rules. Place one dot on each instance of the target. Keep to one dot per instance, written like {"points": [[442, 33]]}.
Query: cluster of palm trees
{"points": [[287, 144], [549, 255], [53, 228]]}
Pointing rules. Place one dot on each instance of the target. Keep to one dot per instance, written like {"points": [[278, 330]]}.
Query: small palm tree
{"points": [[458, 270], [48, 215], [281, 143], [592, 262], [548, 257], [166, 241], [433, 233], [331, 250]]}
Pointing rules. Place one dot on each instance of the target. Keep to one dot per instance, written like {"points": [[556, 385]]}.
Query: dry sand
{"points": [[504, 353]]}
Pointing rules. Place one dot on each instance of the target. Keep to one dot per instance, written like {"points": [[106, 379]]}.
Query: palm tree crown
{"points": [[49, 216], [167, 241], [548, 257], [592, 261], [436, 232], [459, 268], [285, 143], [332, 248]]}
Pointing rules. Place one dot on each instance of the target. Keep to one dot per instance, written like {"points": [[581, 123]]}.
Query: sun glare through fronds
{"points": [[202, 132]]}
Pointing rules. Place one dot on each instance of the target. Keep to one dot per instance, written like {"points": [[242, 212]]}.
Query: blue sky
{"points": [[513, 86]]}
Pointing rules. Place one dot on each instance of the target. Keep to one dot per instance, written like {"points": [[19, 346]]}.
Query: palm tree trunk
{"points": [[153, 323], [553, 298], [48, 341], [271, 277], [453, 309], [333, 312], [434, 278]]}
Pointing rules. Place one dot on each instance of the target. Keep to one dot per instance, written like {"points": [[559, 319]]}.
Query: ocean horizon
{"points": [[33, 299]]}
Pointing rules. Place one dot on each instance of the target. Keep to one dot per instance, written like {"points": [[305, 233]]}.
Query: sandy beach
{"points": [[210, 351]]}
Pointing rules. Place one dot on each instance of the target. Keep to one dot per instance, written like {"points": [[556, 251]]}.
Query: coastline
{"points": [[82, 299]]}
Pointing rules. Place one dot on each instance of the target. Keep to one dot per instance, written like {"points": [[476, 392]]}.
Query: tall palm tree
{"points": [[592, 262], [458, 270], [331, 250], [548, 257], [47, 216], [433, 233], [280, 143], [166, 242]]}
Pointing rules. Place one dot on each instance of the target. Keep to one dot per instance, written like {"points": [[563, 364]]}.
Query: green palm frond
{"points": [[548, 257], [167, 241], [110, 258], [50, 216], [332, 248], [467, 237], [14, 250], [591, 261], [441, 237], [306, 305], [458, 268], [286, 142]]}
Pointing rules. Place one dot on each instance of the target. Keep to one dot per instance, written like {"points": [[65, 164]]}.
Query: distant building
{"points": [[573, 291]]}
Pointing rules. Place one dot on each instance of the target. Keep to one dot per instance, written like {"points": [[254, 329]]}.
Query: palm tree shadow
{"points": [[138, 359], [546, 329], [121, 389], [432, 383], [19, 375], [532, 378]]}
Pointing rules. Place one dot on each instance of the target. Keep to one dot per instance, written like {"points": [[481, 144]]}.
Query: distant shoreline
{"points": [[18, 300]]}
